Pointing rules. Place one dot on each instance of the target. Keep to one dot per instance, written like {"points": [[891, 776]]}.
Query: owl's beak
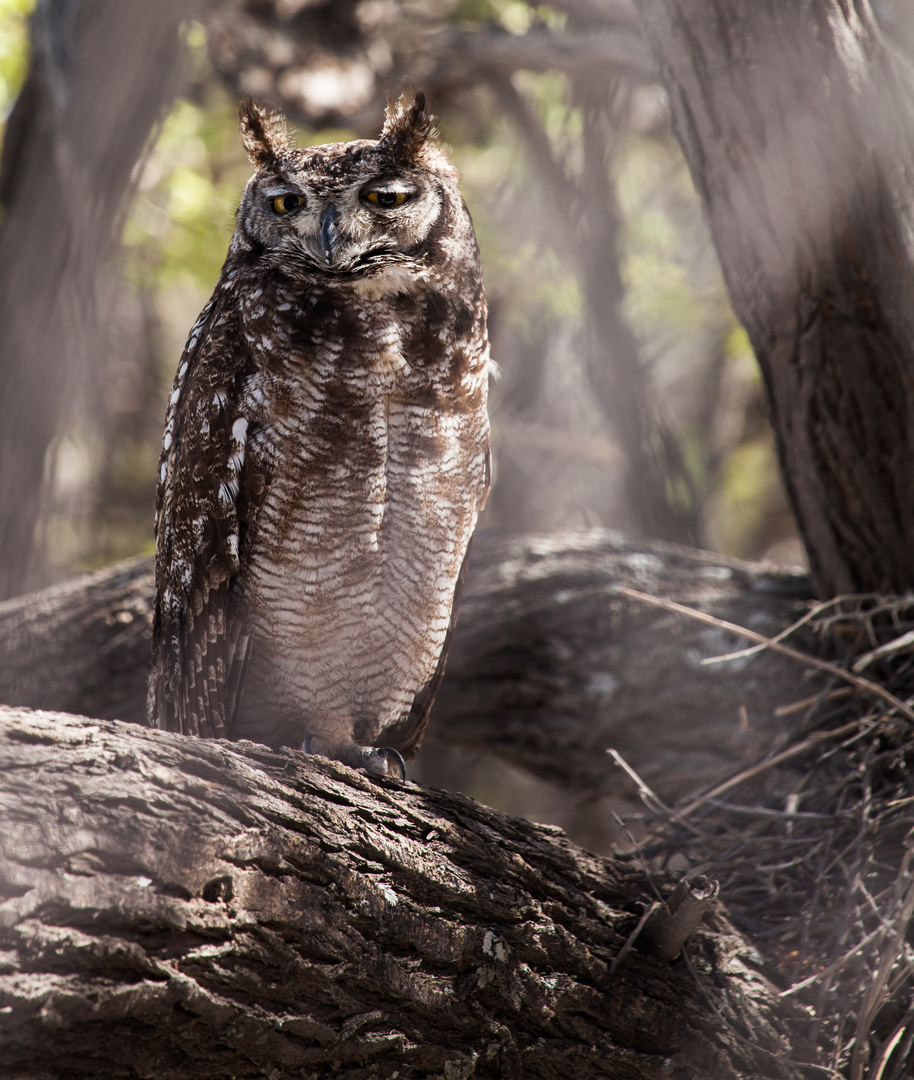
{"points": [[330, 236]]}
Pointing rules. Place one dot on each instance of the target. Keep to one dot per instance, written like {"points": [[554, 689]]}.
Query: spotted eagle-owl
{"points": [[326, 452]]}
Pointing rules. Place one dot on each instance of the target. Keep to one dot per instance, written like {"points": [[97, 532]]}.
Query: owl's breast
{"points": [[378, 473], [372, 462]]}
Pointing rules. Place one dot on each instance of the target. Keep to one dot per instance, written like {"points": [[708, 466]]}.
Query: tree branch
{"points": [[184, 908], [460, 54]]}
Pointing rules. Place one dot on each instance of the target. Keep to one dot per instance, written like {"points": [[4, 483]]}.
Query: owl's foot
{"points": [[376, 760]]}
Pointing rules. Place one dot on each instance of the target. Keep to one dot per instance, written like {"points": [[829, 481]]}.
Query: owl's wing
{"points": [[207, 496], [406, 735]]}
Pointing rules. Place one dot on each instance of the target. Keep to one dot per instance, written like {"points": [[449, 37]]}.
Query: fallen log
{"points": [[180, 908]]}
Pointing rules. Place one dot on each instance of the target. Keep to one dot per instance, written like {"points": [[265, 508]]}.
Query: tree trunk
{"points": [[658, 486], [548, 668], [795, 121], [101, 74], [178, 908]]}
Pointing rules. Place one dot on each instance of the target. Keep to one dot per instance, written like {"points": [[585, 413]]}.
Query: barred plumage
{"points": [[326, 452]]}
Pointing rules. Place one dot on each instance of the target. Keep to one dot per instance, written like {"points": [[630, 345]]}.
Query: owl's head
{"points": [[348, 209]]}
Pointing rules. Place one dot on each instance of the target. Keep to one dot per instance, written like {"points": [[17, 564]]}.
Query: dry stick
{"points": [[814, 699], [811, 661], [813, 612], [898, 644], [902, 1028], [651, 800], [675, 920]]}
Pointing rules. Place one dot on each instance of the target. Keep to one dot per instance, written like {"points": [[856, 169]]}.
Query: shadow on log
{"points": [[179, 908], [548, 667]]}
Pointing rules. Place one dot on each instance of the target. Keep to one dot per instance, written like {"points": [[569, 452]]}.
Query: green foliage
{"points": [[675, 290], [523, 267], [675, 298], [745, 495], [14, 50], [664, 295], [182, 218], [516, 16]]}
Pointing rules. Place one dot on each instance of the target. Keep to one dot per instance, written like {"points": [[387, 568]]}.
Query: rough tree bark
{"points": [[178, 908], [102, 71], [549, 665], [795, 121]]}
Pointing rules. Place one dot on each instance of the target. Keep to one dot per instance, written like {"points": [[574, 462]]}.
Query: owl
{"points": [[326, 452]]}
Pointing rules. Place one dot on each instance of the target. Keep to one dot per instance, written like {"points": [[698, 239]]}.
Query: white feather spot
{"points": [[175, 394], [240, 430]]}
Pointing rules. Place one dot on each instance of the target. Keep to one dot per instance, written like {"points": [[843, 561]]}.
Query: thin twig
{"points": [[811, 661], [647, 793], [814, 699], [633, 936], [753, 649], [778, 759], [875, 998], [832, 968], [899, 644], [899, 1031]]}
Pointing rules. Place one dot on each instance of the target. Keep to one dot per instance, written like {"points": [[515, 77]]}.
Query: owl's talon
{"points": [[396, 766], [378, 761]]}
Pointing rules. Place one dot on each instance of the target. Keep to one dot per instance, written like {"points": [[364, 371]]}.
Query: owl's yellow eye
{"points": [[387, 199], [285, 204]]}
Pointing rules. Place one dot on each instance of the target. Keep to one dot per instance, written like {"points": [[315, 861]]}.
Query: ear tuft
{"points": [[409, 131], [263, 132]]}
